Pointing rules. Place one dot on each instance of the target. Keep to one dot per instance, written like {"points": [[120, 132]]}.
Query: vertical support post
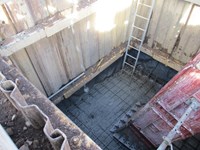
{"points": [[5, 141]]}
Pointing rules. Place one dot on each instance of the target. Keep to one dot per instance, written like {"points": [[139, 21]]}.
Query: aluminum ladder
{"points": [[146, 19]]}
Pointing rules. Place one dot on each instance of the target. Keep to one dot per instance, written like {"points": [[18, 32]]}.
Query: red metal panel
{"points": [[149, 117], [163, 111]]}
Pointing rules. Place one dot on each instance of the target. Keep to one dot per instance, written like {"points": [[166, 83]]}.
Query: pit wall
{"points": [[147, 66], [174, 29], [40, 112], [51, 61]]}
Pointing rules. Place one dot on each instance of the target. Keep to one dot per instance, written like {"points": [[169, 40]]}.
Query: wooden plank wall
{"points": [[52, 62], [174, 29]]}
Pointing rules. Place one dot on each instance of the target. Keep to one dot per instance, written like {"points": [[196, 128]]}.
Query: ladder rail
{"points": [[143, 35], [129, 40], [145, 32]]}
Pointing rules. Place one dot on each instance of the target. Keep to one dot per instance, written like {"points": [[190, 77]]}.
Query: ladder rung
{"points": [[136, 38], [145, 5], [129, 64], [133, 47], [129, 73], [139, 28], [142, 17], [131, 56]]}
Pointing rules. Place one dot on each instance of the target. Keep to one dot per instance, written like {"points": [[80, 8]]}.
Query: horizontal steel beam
{"points": [[47, 28]]}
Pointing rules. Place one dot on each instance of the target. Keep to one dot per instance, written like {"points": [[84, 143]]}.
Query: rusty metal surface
{"points": [[162, 112], [59, 129], [34, 115]]}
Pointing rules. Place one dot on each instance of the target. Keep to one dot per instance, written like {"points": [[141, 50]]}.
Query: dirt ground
{"points": [[24, 136]]}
